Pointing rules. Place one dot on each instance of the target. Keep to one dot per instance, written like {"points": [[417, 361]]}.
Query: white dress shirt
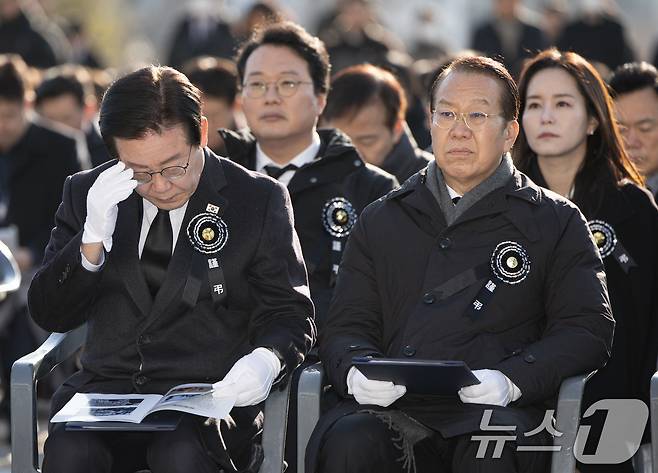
{"points": [[150, 211], [302, 158]]}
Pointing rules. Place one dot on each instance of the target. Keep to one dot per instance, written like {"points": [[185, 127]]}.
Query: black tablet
{"points": [[441, 378]]}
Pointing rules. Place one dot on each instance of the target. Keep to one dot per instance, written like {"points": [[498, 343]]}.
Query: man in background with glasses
{"points": [[467, 261], [186, 269], [284, 75]]}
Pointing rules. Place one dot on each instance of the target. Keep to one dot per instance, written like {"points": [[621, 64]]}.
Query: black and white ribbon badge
{"points": [[338, 219], [208, 234], [509, 264], [606, 241]]}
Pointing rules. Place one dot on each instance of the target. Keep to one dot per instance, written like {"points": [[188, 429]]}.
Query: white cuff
{"points": [[89, 266]]}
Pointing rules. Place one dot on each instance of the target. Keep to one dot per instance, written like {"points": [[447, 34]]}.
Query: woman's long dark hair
{"points": [[606, 161]]}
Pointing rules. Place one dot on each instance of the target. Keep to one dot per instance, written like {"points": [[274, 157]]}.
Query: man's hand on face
{"points": [[369, 391], [495, 388], [112, 186]]}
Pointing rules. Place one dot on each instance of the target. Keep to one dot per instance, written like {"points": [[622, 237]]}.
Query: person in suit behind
{"points": [[503, 275], [570, 144], [634, 88], [185, 268], [66, 97], [507, 36], [368, 104], [284, 72], [217, 79]]}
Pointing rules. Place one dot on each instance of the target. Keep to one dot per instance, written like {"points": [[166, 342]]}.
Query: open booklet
{"points": [[197, 399]]}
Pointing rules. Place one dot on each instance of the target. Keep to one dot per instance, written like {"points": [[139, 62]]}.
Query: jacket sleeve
{"points": [[354, 324], [579, 323], [283, 316], [62, 290]]}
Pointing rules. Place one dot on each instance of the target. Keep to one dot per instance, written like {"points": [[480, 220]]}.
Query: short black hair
{"points": [[358, 86], [633, 76], [150, 99], [65, 80], [484, 65], [13, 81], [215, 77], [290, 35]]}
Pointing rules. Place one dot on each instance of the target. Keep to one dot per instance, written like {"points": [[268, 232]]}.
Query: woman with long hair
{"points": [[570, 144]]}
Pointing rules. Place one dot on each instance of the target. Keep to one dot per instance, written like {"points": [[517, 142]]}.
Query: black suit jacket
{"points": [[137, 344], [38, 166]]}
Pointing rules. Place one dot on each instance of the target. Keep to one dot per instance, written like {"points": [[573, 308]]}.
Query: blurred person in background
{"points": [[81, 50], [597, 35], [355, 36], [635, 91], [369, 105], [508, 36], [200, 32], [217, 79], [570, 144], [17, 35], [257, 16], [66, 96], [34, 162]]}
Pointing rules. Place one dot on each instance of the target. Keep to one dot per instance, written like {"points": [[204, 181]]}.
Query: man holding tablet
{"points": [[468, 261]]}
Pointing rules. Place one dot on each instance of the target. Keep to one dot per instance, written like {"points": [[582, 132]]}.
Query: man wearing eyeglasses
{"points": [[284, 74], [467, 261], [186, 268]]}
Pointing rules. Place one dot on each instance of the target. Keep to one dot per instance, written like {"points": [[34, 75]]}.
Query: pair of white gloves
{"points": [[495, 389]]}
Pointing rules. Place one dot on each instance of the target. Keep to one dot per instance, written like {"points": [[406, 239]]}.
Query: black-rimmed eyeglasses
{"points": [[171, 173]]}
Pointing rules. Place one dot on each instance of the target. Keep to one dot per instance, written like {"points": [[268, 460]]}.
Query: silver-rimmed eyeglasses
{"points": [[445, 119], [256, 89]]}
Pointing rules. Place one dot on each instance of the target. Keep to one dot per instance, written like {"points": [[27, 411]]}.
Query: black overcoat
{"points": [[407, 282], [337, 172]]}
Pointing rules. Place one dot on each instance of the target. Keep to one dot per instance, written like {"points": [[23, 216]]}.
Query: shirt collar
{"points": [[300, 160], [453, 193]]}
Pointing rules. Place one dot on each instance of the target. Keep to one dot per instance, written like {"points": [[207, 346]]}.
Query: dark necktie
{"points": [[455, 200], [157, 251], [276, 172]]}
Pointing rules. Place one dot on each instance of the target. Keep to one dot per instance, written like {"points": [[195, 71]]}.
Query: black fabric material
{"points": [[362, 443], [19, 36], [157, 251], [38, 166], [554, 323], [337, 171], [633, 215], [276, 172], [456, 199], [406, 158]]}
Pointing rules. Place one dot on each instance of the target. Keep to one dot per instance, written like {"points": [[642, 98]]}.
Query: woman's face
{"points": [[555, 118]]}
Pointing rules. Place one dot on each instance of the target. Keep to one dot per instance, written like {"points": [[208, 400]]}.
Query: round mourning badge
{"points": [[207, 233], [510, 262], [604, 236], [338, 217]]}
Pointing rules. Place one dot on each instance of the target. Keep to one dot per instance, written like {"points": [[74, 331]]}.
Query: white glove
{"points": [[370, 391], [112, 186], [495, 388], [250, 378]]}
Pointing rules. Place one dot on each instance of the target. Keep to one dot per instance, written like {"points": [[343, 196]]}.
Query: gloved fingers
{"points": [[394, 390], [110, 172], [476, 390], [381, 399]]}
